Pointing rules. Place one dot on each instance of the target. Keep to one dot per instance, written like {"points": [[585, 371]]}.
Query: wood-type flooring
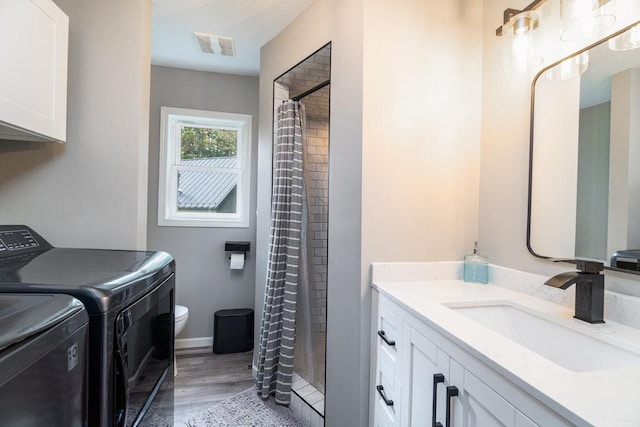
{"points": [[203, 379]]}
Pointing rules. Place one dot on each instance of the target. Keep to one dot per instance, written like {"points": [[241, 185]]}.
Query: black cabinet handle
{"points": [[382, 335], [451, 392], [384, 396], [437, 379]]}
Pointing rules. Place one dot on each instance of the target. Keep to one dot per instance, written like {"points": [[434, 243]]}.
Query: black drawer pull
{"points": [[451, 392], [384, 396], [437, 379], [382, 335]]}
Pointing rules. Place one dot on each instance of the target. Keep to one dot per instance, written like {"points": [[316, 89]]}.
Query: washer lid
{"points": [[102, 279], [73, 267], [25, 315]]}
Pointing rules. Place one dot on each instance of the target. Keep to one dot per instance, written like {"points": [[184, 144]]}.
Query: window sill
{"points": [[165, 222]]}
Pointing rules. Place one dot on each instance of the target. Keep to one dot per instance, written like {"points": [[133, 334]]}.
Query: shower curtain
{"points": [[277, 335]]}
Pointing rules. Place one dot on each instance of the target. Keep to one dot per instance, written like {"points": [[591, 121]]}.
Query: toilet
{"points": [[181, 316]]}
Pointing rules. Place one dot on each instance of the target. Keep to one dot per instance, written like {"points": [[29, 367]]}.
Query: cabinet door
{"points": [[479, 405], [524, 421], [422, 364], [33, 69]]}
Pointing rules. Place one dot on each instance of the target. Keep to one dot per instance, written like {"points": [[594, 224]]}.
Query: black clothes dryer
{"points": [[129, 296]]}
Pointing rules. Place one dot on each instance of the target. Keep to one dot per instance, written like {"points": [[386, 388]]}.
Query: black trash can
{"points": [[233, 330], [163, 336]]}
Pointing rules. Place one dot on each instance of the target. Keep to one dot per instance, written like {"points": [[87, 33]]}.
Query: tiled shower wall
{"points": [[317, 169]]}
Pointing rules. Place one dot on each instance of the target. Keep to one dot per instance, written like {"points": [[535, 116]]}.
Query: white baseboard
{"points": [[193, 342]]}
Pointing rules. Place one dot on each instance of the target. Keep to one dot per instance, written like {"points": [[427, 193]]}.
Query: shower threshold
{"points": [[310, 396]]}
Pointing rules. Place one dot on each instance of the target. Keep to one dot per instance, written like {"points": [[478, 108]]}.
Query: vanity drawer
{"points": [[387, 398], [389, 340]]}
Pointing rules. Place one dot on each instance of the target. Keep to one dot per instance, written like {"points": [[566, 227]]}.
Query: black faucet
{"points": [[589, 289]]}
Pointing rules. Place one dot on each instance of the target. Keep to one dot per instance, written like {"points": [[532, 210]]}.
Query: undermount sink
{"points": [[571, 348]]}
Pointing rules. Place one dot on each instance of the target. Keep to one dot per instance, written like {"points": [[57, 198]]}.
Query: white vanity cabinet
{"points": [[33, 70], [430, 371]]}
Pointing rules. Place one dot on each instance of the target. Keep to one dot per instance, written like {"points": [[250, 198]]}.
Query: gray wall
{"points": [[92, 190], [593, 182], [404, 166], [338, 21], [204, 282]]}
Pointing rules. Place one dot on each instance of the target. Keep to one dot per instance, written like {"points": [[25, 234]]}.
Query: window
{"points": [[205, 164]]}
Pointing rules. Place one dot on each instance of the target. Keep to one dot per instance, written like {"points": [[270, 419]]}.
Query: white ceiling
{"points": [[251, 23], [595, 84]]}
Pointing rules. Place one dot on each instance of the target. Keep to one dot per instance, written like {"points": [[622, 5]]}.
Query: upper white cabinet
{"points": [[34, 37]]}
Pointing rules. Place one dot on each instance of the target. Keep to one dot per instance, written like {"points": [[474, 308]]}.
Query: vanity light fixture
{"points": [[628, 40], [579, 19], [583, 19], [519, 53], [569, 68]]}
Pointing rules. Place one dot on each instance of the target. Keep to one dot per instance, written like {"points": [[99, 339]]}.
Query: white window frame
{"points": [[170, 139]]}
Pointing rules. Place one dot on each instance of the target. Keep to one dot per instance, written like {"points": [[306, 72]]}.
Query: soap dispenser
{"points": [[476, 267]]}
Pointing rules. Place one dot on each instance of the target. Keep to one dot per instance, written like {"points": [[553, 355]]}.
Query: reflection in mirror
{"points": [[584, 195]]}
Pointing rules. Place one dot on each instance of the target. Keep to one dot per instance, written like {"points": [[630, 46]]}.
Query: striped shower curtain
{"points": [[277, 335]]}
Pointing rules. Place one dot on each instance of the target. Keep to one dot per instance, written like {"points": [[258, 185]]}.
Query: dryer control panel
{"points": [[20, 239]]}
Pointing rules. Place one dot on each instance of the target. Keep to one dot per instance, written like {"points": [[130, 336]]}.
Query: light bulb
{"points": [[519, 51], [582, 12], [582, 19]]}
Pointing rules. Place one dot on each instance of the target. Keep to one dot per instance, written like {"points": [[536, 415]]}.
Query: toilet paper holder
{"points": [[243, 247]]}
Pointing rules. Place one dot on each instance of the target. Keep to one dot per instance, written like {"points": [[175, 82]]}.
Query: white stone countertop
{"points": [[603, 398]]}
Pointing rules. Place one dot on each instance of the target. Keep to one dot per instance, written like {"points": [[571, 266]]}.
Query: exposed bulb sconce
{"points": [[583, 19], [580, 19], [569, 68], [628, 40], [519, 45]]}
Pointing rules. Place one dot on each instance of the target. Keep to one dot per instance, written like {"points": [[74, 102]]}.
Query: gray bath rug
{"points": [[246, 409]]}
